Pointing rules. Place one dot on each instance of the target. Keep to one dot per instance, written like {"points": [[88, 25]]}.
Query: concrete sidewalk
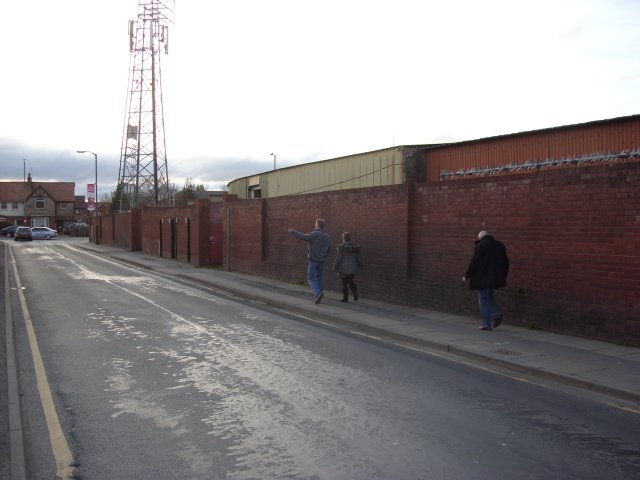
{"points": [[598, 366]]}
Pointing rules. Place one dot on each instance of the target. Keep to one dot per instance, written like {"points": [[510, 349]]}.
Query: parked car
{"points": [[76, 227], [23, 233], [39, 233], [9, 231]]}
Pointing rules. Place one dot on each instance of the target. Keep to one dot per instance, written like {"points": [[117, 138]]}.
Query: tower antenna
{"points": [[143, 178]]}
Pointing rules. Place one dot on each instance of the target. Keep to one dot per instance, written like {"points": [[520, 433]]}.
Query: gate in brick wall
{"points": [[214, 239]]}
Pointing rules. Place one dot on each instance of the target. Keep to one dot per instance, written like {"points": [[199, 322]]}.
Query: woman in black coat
{"points": [[347, 263]]}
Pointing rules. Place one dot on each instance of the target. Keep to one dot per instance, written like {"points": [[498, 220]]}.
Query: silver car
{"points": [[39, 233]]}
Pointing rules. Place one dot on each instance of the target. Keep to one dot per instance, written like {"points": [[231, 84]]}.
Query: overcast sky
{"points": [[305, 80]]}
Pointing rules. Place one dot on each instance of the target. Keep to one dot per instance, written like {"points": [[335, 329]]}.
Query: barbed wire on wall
{"points": [[537, 165]]}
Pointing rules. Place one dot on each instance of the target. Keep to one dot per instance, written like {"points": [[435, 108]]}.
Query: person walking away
{"points": [[318, 251], [347, 263], [488, 270]]}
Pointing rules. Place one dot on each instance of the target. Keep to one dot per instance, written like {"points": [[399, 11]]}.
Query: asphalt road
{"points": [[154, 379], [5, 445]]}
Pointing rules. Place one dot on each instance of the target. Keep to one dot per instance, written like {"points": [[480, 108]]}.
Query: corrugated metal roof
{"points": [[553, 142], [380, 150], [593, 123], [615, 135]]}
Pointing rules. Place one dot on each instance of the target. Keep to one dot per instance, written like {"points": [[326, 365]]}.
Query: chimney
{"points": [[29, 180]]}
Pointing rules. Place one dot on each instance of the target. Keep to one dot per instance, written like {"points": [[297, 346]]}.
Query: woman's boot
{"points": [[345, 294]]}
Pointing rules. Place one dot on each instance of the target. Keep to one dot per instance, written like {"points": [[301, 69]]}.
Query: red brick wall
{"points": [[148, 229], [573, 237], [118, 230], [191, 232], [242, 249], [377, 217], [215, 240], [102, 225]]}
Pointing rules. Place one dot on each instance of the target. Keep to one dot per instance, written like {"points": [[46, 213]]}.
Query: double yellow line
{"points": [[59, 445]]}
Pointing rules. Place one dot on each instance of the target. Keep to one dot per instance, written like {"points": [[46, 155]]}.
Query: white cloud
{"points": [[309, 81]]}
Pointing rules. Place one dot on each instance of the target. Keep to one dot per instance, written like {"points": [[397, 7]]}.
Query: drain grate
{"points": [[504, 351]]}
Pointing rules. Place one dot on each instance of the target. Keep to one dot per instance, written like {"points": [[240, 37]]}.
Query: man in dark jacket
{"points": [[487, 271]]}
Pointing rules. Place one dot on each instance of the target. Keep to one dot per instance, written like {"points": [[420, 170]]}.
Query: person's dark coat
{"points": [[348, 260], [489, 265]]}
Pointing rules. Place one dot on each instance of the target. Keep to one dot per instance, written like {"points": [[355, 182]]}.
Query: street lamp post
{"points": [[95, 157], [274, 160]]}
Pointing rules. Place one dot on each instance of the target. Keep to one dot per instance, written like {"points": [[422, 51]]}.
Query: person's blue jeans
{"points": [[314, 276], [488, 307]]}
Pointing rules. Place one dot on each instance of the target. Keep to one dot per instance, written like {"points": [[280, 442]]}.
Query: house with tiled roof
{"points": [[37, 204]]}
